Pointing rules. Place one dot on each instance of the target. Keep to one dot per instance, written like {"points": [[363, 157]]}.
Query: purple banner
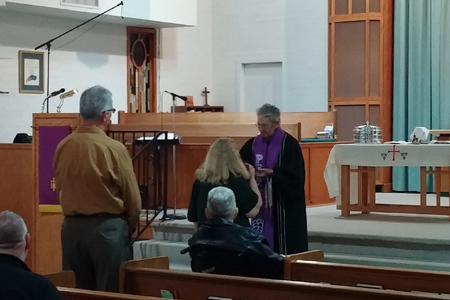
{"points": [[49, 138]]}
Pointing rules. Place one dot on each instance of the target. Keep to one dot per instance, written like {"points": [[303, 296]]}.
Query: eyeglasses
{"points": [[112, 110]]}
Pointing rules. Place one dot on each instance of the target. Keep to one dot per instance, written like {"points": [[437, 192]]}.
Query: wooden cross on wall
{"points": [[205, 93]]}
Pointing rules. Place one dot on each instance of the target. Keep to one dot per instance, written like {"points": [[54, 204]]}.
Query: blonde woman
{"points": [[223, 166]]}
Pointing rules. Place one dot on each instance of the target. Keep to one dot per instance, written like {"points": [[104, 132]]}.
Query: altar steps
{"points": [[387, 240]]}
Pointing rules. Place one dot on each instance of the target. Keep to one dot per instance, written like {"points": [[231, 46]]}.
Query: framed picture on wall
{"points": [[31, 72]]}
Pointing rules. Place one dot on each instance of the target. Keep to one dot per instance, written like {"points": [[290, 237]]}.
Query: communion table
{"points": [[350, 174]]}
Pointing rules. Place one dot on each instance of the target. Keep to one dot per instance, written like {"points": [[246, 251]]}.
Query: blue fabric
{"points": [[421, 94]]}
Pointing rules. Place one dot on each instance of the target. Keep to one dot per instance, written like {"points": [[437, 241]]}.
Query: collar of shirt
{"points": [[90, 129]]}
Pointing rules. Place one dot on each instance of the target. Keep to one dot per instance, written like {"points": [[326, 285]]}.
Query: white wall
{"points": [[236, 32], [186, 58], [97, 57], [229, 34]]}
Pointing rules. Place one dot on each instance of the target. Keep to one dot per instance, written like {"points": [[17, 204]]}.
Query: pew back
{"points": [[385, 278], [159, 262], [80, 294], [192, 286], [62, 279], [314, 255]]}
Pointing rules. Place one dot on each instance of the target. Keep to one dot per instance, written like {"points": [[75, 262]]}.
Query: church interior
{"points": [[359, 83]]}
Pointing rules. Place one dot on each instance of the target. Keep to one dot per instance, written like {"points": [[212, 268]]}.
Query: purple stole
{"points": [[265, 155]]}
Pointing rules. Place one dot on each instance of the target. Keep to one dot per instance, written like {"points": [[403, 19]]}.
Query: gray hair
{"points": [[13, 230], [269, 111], [221, 203], [94, 101]]}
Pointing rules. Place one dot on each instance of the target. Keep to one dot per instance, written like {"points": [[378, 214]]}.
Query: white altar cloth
{"points": [[384, 155]]}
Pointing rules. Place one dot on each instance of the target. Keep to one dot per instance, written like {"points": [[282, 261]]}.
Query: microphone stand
{"points": [[49, 44], [174, 216], [43, 103]]}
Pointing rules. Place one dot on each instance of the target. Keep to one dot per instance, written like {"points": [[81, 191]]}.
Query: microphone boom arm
{"points": [[49, 43], [76, 27]]}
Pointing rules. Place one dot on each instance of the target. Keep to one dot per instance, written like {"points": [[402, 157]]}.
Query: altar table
{"points": [[362, 159]]}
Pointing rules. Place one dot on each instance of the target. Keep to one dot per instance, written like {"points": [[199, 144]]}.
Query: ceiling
{"points": [[83, 16]]}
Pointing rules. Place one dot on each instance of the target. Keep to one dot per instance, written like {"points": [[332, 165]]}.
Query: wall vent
{"points": [[81, 3]]}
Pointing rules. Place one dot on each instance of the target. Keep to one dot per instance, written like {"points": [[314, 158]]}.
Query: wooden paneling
{"points": [[190, 157], [318, 192], [16, 186], [311, 122], [374, 46], [212, 131], [19, 188], [48, 242]]}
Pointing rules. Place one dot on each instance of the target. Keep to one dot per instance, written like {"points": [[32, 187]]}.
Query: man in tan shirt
{"points": [[99, 196]]}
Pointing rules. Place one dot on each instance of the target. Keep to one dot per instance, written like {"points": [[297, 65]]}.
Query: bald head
{"points": [[14, 236]]}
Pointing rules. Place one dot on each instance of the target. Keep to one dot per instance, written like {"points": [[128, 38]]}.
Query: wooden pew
{"points": [[193, 286], [162, 263], [313, 255], [80, 294], [62, 279], [159, 262], [385, 278]]}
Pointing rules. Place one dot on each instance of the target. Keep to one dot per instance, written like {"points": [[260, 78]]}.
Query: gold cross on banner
{"points": [[53, 184]]}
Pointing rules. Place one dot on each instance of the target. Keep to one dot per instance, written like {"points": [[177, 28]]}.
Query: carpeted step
{"points": [[426, 254], [153, 248], [173, 231], [387, 262]]}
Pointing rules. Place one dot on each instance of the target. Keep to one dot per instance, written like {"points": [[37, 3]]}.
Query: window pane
{"points": [[374, 58], [341, 7], [358, 6], [348, 117], [350, 59], [374, 115], [374, 6]]}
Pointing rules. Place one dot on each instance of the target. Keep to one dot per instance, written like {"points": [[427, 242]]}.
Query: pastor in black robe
{"points": [[288, 178]]}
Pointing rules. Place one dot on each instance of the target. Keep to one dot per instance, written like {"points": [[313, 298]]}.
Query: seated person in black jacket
{"points": [[16, 280], [223, 247]]}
